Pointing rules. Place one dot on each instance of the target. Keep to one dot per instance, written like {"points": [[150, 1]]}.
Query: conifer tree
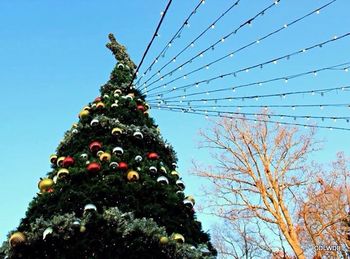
{"points": [[113, 191]]}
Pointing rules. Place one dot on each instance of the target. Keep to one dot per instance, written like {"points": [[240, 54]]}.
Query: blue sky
{"points": [[53, 60]]}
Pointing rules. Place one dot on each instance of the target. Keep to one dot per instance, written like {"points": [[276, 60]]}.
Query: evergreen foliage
{"points": [[137, 215]]}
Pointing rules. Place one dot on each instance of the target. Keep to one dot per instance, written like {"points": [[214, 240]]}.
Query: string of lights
{"points": [[339, 67], [265, 107], [155, 34], [269, 115], [260, 120], [257, 97], [260, 65], [222, 39], [231, 54], [172, 40]]}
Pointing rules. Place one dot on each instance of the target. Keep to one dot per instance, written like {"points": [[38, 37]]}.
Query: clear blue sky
{"points": [[53, 60]]}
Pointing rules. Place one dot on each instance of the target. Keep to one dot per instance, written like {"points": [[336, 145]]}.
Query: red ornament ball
{"points": [[123, 166], [68, 161], [95, 146], [98, 99], [152, 156], [140, 107], [93, 167]]}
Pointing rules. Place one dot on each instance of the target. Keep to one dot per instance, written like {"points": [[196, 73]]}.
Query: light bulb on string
{"points": [[318, 12], [293, 108], [212, 26], [231, 55], [285, 26], [346, 69], [223, 40], [286, 80], [192, 44], [258, 41]]}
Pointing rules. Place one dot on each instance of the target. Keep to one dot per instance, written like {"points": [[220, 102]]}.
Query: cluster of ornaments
{"points": [[46, 185]]}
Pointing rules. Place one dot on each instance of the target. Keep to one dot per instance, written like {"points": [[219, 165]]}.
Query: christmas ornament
{"points": [[153, 156], [138, 158], [105, 96], [175, 174], [113, 165], [120, 66], [82, 229], [94, 122], [84, 156], [133, 176], [95, 146], [180, 184], [45, 184], [174, 165], [83, 114], [163, 170], [68, 161], [178, 238], [86, 108], [118, 151], [140, 107], [100, 105], [16, 239], [98, 99], [60, 160], [153, 169], [114, 105], [138, 135], [62, 173], [93, 167], [100, 152], [123, 166], [53, 159], [162, 180], [163, 240], [117, 131], [76, 223], [105, 157], [146, 106], [75, 131], [188, 203], [47, 232], [89, 207], [190, 198]]}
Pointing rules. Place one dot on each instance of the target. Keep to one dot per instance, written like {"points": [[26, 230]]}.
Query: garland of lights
{"points": [[339, 67], [231, 54], [169, 44], [260, 65]]}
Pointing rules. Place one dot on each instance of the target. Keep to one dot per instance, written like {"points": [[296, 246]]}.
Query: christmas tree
{"points": [[113, 191]]}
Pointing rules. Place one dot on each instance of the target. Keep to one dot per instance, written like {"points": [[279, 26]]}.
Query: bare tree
{"points": [[324, 215], [260, 175]]}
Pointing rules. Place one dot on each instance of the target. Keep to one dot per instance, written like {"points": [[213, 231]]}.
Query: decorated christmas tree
{"points": [[113, 191]]}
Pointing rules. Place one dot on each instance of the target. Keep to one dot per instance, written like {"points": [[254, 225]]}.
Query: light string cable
{"points": [[261, 65], [191, 44], [308, 117], [231, 54], [150, 43], [339, 67], [263, 120], [321, 91], [172, 40], [265, 107]]}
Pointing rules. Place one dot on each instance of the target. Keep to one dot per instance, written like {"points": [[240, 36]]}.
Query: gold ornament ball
{"points": [[163, 240], [82, 229], [45, 184], [100, 105], [60, 160], [17, 238], [133, 176], [84, 114], [191, 198], [117, 131], [105, 157], [179, 238]]}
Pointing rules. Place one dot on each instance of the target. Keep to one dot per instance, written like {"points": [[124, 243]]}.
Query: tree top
{"points": [[119, 52]]}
